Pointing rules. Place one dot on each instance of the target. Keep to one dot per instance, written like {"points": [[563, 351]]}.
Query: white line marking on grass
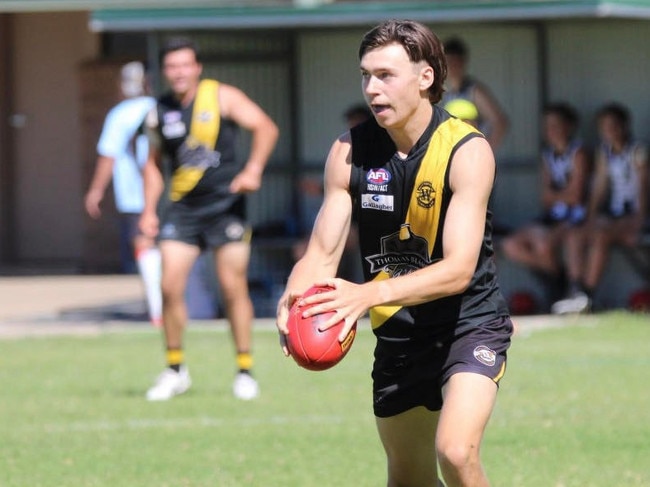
{"points": [[525, 325], [198, 422]]}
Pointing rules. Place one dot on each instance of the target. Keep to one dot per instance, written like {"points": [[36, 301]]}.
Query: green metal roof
{"points": [[123, 15], [87, 5], [348, 13]]}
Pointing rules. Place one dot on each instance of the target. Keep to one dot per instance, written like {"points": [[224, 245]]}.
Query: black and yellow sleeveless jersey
{"points": [[401, 205], [198, 146]]}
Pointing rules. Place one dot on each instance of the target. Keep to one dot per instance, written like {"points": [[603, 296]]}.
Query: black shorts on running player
{"points": [[204, 229]]}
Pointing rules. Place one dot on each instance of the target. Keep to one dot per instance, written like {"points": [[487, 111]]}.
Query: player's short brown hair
{"points": [[419, 43]]}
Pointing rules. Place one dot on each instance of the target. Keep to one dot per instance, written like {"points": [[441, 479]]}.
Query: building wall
{"points": [[594, 62], [329, 82], [47, 50], [5, 134]]}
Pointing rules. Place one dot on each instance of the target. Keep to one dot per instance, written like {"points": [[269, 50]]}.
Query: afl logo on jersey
{"points": [[378, 176], [378, 180]]}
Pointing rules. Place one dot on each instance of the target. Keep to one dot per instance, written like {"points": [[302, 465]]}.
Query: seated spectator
{"points": [[616, 210], [564, 177]]}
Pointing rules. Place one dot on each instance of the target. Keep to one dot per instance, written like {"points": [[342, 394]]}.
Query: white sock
{"points": [[149, 266]]}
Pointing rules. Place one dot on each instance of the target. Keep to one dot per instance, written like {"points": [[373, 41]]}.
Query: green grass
{"points": [[573, 410]]}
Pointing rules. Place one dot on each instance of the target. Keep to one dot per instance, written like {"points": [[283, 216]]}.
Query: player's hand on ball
{"points": [[282, 315], [311, 345], [344, 298]]}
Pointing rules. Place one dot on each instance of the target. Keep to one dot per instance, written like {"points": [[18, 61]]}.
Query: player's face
{"points": [[455, 66], [394, 87], [182, 71], [610, 130], [556, 131]]}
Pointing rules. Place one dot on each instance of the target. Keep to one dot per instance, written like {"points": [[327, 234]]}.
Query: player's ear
{"points": [[426, 77]]}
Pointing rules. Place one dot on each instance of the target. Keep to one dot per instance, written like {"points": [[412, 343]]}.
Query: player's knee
{"points": [[600, 236], [457, 456], [171, 292], [233, 287]]}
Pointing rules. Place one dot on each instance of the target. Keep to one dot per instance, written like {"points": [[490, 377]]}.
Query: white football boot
{"points": [[169, 384]]}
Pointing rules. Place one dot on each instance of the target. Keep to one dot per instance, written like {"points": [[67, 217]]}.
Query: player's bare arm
{"points": [[153, 188], [549, 195], [248, 115], [599, 187], [329, 234], [471, 179], [489, 108], [101, 179], [573, 193], [641, 162]]}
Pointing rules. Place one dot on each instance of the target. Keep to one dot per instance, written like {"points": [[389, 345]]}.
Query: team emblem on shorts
{"points": [[168, 230], [485, 355], [235, 231]]}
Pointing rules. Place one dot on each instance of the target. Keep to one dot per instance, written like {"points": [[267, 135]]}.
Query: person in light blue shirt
{"points": [[122, 151], [121, 141]]}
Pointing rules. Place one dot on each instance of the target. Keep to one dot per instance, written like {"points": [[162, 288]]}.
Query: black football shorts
{"points": [[410, 372], [203, 229]]}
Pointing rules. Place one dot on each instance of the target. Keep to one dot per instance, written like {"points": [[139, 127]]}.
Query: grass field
{"points": [[573, 411]]}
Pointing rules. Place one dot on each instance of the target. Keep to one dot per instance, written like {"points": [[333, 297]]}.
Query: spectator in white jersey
{"points": [[617, 205]]}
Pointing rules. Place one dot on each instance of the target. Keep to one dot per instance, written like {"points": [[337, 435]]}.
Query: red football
{"points": [[311, 348]]}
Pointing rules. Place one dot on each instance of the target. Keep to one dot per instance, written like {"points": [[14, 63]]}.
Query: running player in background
{"points": [[194, 130]]}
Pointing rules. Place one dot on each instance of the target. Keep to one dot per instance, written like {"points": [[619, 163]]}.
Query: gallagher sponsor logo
{"points": [[382, 202]]}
